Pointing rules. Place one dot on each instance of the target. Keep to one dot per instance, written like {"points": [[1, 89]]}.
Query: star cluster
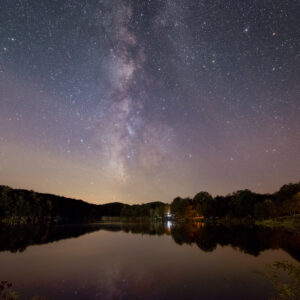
{"points": [[139, 101]]}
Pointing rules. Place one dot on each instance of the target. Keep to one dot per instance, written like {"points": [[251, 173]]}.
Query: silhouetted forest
{"points": [[240, 204], [152, 210], [23, 206]]}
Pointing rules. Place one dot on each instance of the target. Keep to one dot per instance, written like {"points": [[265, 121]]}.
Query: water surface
{"points": [[143, 261]]}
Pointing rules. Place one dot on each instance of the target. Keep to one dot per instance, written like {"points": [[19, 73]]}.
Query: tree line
{"points": [[153, 210], [23, 206], [240, 204]]}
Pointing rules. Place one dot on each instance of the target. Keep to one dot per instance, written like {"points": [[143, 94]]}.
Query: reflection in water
{"points": [[142, 260], [250, 240], [18, 238], [285, 278], [169, 225]]}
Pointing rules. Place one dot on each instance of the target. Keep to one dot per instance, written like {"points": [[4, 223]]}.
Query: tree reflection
{"points": [[250, 240], [285, 278], [18, 238]]}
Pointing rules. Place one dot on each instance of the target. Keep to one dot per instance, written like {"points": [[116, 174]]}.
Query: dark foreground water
{"points": [[143, 261]]}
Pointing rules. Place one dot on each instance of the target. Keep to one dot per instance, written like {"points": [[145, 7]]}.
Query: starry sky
{"points": [[138, 101]]}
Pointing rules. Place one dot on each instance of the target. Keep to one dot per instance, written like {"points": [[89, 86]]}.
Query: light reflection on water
{"points": [[169, 224], [144, 261]]}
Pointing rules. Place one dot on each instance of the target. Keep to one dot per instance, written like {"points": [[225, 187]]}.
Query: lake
{"points": [[143, 261]]}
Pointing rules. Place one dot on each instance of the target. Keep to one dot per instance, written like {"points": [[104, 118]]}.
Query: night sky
{"points": [[138, 101]]}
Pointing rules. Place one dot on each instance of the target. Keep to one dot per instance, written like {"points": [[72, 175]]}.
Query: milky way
{"points": [[139, 101]]}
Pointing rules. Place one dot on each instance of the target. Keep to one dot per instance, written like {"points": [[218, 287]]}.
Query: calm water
{"points": [[114, 261]]}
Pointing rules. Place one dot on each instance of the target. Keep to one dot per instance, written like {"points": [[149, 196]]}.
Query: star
{"points": [[128, 91]]}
